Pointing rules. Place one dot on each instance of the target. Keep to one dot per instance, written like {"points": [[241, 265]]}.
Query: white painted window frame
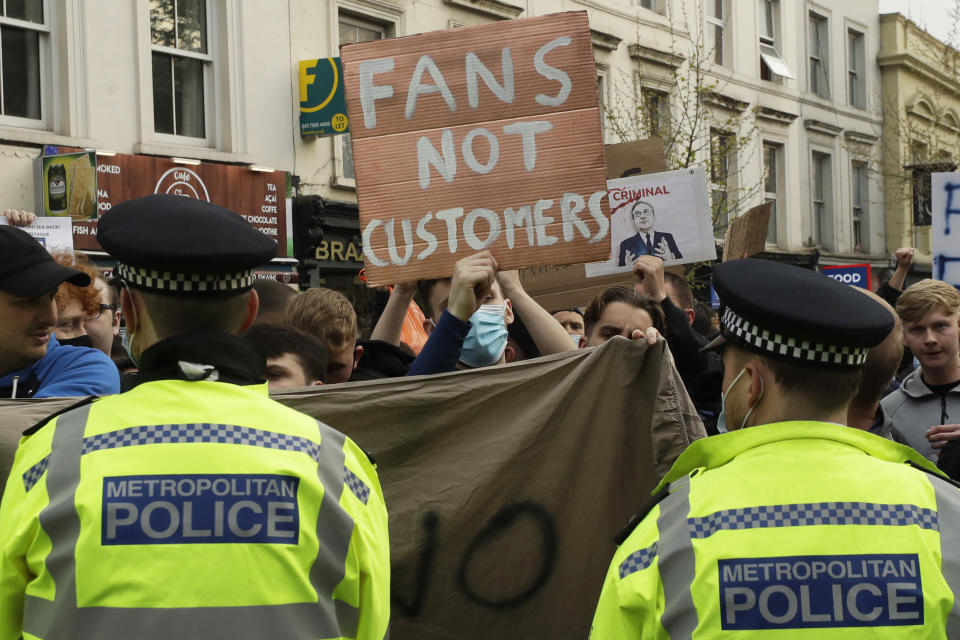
{"points": [[45, 55], [724, 23], [225, 129], [392, 18], [777, 196], [820, 155], [819, 23], [856, 69]]}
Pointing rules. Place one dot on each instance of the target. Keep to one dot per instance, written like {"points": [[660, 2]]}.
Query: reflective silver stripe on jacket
{"points": [[676, 562], [814, 513], [64, 619], [948, 510]]}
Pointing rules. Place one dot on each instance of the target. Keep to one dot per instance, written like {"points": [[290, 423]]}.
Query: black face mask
{"points": [[79, 341]]}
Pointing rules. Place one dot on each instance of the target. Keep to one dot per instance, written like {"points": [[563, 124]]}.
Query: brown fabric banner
{"points": [[505, 486]]}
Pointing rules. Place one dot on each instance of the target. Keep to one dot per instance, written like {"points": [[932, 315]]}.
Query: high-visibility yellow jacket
{"points": [[192, 510], [791, 530]]}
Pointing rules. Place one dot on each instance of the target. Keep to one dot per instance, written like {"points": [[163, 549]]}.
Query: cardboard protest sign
{"points": [[53, 233], [857, 275], [945, 226], [485, 137], [505, 486], [747, 234], [663, 214], [639, 157], [556, 288]]}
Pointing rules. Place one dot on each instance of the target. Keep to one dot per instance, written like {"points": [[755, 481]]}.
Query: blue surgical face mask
{"points": [[722, 418], [125, 343], [487, 338], [576, 340]]}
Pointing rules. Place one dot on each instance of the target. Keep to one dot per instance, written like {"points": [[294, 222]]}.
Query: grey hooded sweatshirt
{"points": [[913, 408]]}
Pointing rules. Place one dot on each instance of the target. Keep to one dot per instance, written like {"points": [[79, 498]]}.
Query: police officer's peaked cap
{"points": [[177, 245], [797, 315]]}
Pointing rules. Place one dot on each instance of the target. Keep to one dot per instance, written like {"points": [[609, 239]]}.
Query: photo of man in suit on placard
{"points": [[646, 241]]}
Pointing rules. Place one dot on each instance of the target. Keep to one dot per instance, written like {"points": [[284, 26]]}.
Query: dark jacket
{"points": [[637, 246], [914, 408]]}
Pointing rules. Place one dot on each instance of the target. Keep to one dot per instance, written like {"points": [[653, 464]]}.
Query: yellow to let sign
{"points": [[322, 100]]}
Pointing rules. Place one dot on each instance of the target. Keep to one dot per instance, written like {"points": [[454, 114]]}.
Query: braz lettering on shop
{"points": [[491, 141]]}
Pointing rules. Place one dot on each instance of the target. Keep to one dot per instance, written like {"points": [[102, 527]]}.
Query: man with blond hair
{"points": [[329, 316], [925, 411]]}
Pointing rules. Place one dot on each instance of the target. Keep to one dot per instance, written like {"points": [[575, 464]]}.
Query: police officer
{"points": [[797, 526], [192, 506]]}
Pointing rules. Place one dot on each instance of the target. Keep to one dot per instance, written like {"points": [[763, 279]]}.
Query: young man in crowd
{"points": [[103, 327], [294, 357], [469, 315], [33, 364], [925, 411], [75, 304], [274, 298], [101, 324], [619, 311], [86, 316], [572, 321], [328, 316]]}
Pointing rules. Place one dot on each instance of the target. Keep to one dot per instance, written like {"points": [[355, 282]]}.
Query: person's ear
{"points": [[508, 314], [509, 354], [316, 383], [583, 342], [128, 308], [755, 388], [117, 317], [357, 354], [253, 306], [428, 326], [691, 315]]}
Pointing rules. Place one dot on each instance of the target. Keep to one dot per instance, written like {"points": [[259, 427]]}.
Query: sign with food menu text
{"points": [[260, 197]]}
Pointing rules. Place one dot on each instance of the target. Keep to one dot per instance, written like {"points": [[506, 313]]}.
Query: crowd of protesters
{"points": [[482, 317], [62, 334]]}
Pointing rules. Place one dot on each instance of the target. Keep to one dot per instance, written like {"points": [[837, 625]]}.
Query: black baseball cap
{"points": [[27, 270]]}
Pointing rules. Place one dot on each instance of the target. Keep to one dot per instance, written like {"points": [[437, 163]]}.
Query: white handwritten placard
{"points": [[484, 137], [54, 233], [945, 226], [662, 214]]}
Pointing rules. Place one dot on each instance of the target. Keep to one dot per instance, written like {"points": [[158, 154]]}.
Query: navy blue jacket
{"points": [[637, 246]]}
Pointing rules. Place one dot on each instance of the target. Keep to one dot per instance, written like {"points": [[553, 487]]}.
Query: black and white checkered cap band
{"points": [[174, 282], [784, 347]]}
